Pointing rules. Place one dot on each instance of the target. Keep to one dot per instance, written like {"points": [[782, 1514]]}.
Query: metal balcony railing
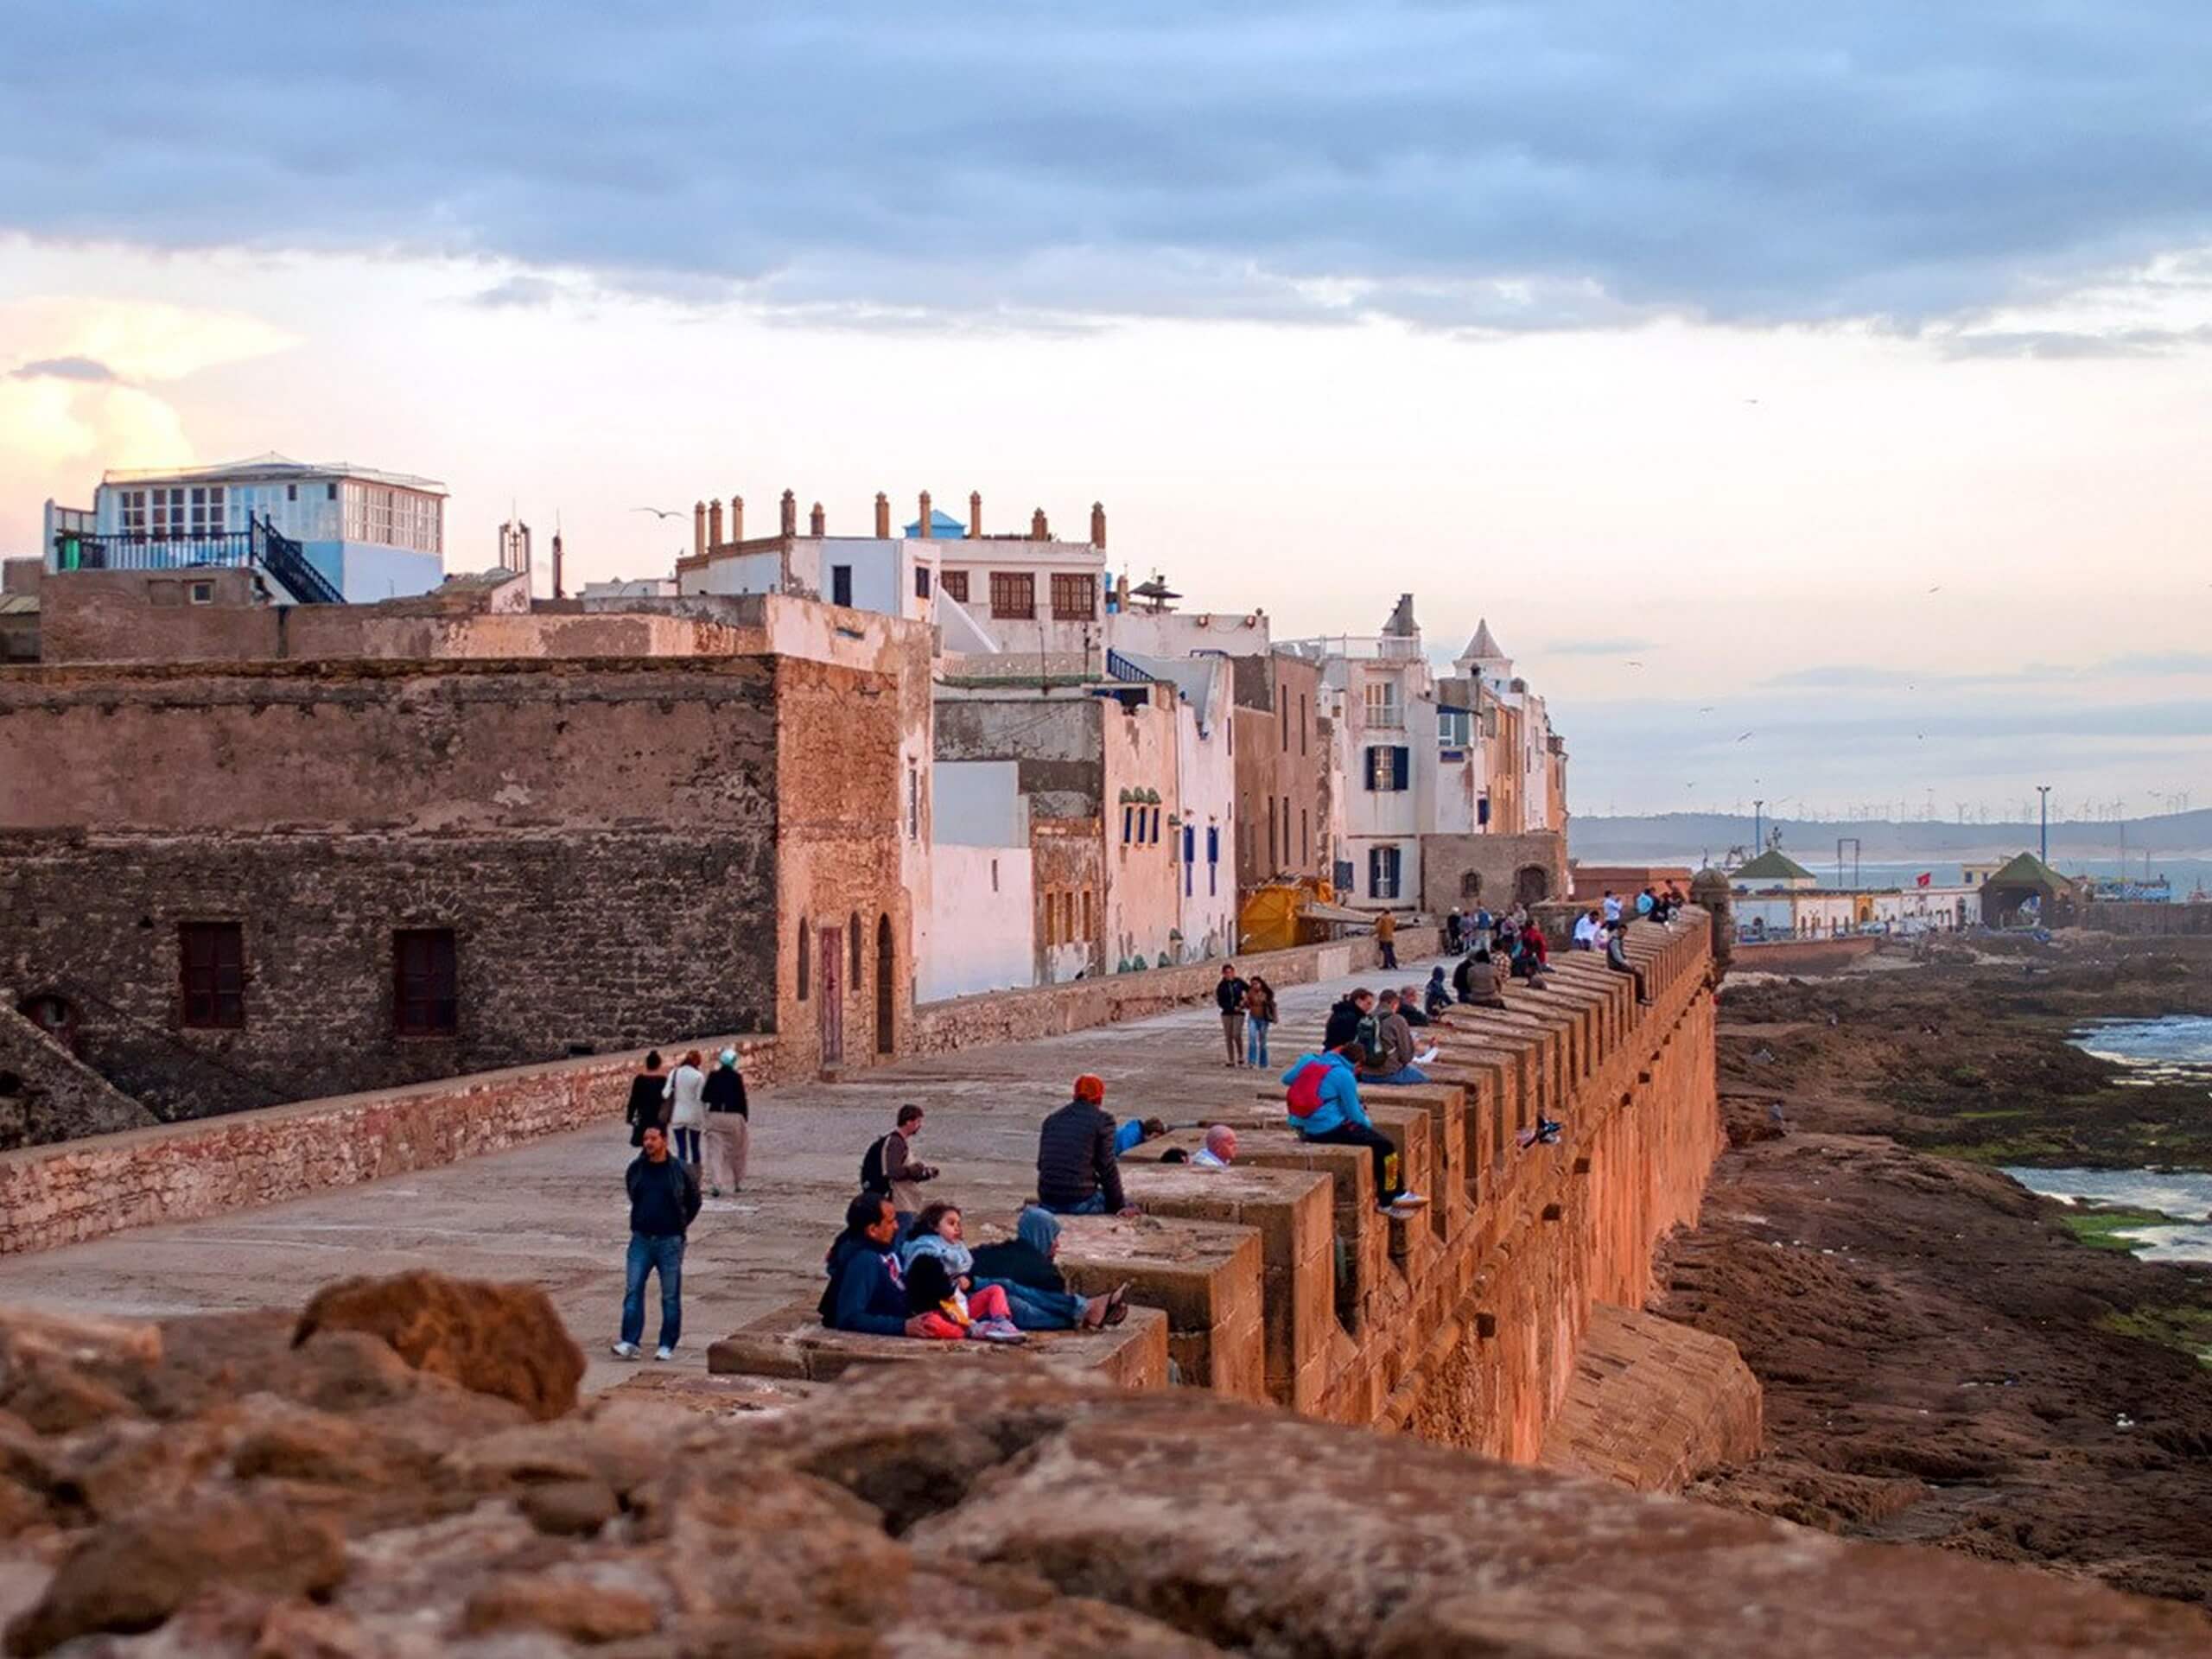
{"points": [[260, 545]]}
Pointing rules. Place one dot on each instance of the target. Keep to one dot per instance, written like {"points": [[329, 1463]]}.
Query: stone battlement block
{"points": [[1205, 1276], [792, 1344], [1290, 1210]]}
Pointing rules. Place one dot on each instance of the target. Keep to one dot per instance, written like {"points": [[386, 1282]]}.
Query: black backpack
{"points": [[873, 1179]]}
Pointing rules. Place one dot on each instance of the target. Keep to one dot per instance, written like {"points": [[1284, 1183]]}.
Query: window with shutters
{"points": [[425, 983], [953, 584], [1075, 596], [212, 959], [1013, 595], [1381, 705], [1213, 860], [1388, 766], [1383, 871]]}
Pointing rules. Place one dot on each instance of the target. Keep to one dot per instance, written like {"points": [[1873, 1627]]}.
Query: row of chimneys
{"points": [[707, 521]]}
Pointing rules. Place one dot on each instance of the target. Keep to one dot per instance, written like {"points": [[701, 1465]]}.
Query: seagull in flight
{"points": [[1707, 709], [1636, 665], [1741, 739], [1937, 589], [661, 512]]}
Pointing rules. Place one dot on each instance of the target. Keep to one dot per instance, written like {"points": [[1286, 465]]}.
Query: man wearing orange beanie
{"points": [[1077, 1174]]}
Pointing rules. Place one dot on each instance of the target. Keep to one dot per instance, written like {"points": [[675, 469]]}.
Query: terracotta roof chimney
{"points": [[976, 515], [1038, 530], [1098, 526], [737, 517], [699, 528], [882, 516], [927, 532], [815, 521], [714, 523], [790, 526]]}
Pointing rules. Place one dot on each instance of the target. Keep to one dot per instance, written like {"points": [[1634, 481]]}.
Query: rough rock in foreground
{"points": [[210, 1490]]}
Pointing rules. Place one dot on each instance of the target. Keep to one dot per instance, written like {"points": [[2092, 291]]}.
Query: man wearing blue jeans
{"points": [[664, 1201]]}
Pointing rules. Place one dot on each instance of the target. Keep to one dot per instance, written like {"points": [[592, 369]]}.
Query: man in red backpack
{"points": [[1323, 1101]]}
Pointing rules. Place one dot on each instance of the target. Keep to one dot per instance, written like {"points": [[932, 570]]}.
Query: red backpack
{"points": [[1305, 1097]]}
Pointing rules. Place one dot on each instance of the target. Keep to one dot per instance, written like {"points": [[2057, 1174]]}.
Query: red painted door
{"points": [[830, 994]]}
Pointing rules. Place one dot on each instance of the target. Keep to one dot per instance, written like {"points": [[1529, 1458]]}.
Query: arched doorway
{"points": [[886, 990], [1532, 884]]}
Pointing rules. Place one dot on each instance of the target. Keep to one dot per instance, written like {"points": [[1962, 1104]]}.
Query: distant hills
{"points": [[1682, 837]]}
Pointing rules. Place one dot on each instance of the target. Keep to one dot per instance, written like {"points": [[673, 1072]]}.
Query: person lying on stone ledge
{"points": [[1022, 1267], [949, 1313], [866, 1293]]}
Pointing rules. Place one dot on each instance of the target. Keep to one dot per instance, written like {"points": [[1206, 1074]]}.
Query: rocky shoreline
{"points": [[1944, 1360]]}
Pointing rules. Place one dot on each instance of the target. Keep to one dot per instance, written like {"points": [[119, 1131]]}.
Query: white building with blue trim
{"points": [[364, 535]]}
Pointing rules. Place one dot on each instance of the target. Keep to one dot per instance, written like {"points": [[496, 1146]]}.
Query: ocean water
{"points": [[2175, 1050]]}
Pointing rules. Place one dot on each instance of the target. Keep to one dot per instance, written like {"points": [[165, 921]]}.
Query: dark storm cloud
{"points": [[1499, 166]]}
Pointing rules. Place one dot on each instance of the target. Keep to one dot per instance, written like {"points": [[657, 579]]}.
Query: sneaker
{"points": [[664, 1352], [625, 1351]]}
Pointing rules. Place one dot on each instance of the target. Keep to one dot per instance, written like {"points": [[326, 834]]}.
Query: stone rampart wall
{"points": [[1468, 1324], [86, 1188]]}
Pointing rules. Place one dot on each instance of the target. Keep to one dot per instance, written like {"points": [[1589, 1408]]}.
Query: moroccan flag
{"points": [[1923, 878]]}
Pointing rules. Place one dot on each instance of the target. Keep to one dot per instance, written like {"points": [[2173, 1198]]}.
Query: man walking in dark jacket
{"points": [[1228, 997], [1077, 1171], [664, 1200]]}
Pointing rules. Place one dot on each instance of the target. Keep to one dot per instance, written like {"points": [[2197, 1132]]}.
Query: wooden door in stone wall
{"points": [[830, 994]]}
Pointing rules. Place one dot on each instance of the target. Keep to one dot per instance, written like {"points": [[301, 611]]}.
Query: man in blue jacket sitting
{"points": [[866, 1293], [1324, 1106]]}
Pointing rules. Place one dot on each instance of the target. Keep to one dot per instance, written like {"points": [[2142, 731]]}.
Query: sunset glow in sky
{"points": [[1844, 380]]}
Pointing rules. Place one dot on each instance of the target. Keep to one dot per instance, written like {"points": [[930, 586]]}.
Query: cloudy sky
{"points": [[1815, 402]]}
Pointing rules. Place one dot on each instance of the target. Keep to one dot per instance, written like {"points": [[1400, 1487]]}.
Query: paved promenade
{"points": [[554, 1213]]}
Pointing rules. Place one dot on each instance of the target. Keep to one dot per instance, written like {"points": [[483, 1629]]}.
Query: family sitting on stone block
{"points": [[932, 1285]]}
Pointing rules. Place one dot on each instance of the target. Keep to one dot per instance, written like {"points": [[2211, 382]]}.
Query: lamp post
{"points": [[2044, 790], [1759, 841]]}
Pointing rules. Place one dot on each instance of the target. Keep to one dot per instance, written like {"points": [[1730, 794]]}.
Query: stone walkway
{"points": [[554, 1214]]}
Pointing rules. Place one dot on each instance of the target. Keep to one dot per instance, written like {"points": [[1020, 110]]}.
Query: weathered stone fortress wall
{"points": [[1470, 1324], [610, 843]]}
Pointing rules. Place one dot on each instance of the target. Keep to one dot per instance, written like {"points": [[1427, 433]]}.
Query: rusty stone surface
{"points": [[46, 1094], [503, 1340], [261, 1508], [1652, 1403]]}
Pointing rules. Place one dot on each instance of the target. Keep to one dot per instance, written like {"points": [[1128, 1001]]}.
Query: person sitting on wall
{"points": [[1617, 958], [1436, 998], [950, 1314], [1219, 1151], [1077, 1174], [1322, 1100], [1039, 1293], [1477, 980], [1394, 1060], [1351, 1020], [866, 1293], [1586, 929]]}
